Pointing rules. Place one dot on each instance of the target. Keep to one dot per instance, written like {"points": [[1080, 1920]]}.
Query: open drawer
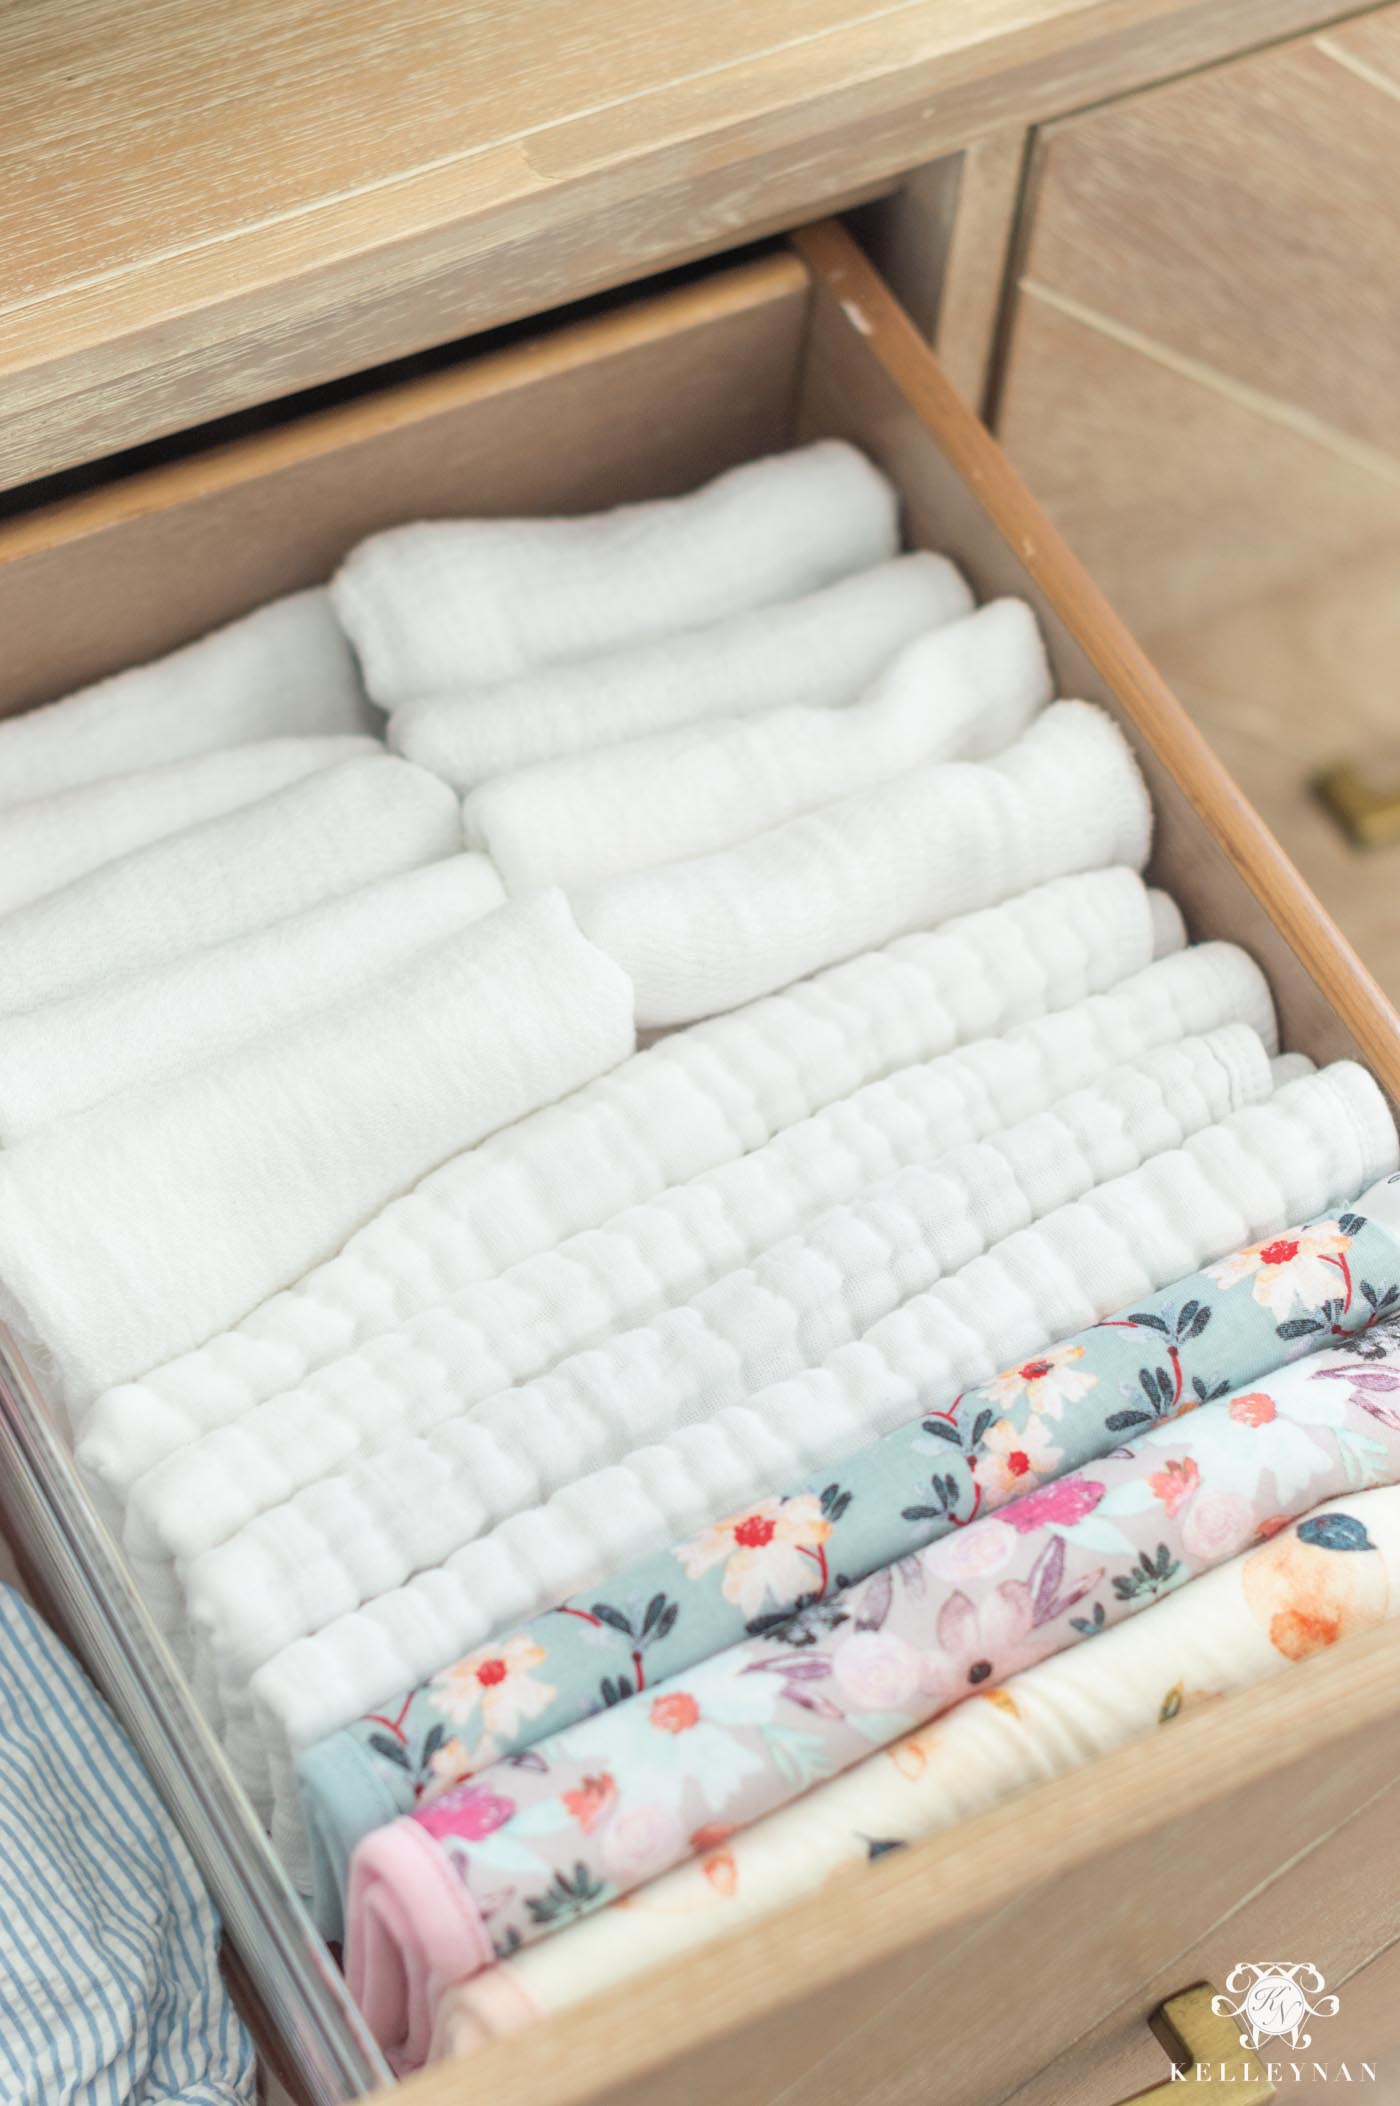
{"points": [[958, 1969]]}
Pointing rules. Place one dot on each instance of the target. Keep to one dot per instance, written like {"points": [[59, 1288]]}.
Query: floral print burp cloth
{"points": [[1204, 1335], [552, 1834], [1293, 1595]]}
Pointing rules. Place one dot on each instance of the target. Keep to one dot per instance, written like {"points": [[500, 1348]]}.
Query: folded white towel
{"points": [[705, 935], [448, 604], [370, 1527], [1316, 1143], [114, 1035], [662, 1253], [696, 1100], [135, 1230], [306, 842], [52, 840], [284, 669], [819, 651], [959, 693]]}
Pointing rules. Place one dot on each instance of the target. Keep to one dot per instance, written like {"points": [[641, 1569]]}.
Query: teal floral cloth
{"points": [[1273, 1301], [551, 1834]]}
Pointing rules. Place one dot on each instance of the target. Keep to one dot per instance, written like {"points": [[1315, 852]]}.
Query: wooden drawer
{"points": [[960, 1969]]}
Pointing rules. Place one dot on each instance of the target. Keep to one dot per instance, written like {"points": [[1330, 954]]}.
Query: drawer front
{"points": [[962, 1967]]}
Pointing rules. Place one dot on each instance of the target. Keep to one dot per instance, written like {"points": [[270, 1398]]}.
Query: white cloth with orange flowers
{"points": [[699, 1099], [664, 1254], [1321, 1579], [962, 692], [352, 1533], [1319, 1139]]}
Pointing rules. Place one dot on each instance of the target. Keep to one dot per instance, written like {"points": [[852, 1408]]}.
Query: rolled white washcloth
{"points": [[52, 840], [370, 1527], [115, 1035], [960, 693], [705, 935], [819, 651], [451, 604], [135, 1230], [1317, 1142], [283, 670], [697, 1099], [309, 841], [652, 1257]]}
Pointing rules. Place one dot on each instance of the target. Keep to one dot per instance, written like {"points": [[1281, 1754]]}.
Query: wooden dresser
{"points": [[276, 277]]}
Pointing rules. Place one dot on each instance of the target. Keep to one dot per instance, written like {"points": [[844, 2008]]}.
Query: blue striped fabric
{"points": [[110, 1988]]}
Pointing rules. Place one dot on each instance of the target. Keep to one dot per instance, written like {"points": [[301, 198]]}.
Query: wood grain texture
{"points": [[1245, 220], [979, 253], [205, 210], [654, 397]]}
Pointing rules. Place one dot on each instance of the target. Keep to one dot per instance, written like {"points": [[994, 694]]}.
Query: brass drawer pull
{"points": [[1193, 2035], [1367, 812]]}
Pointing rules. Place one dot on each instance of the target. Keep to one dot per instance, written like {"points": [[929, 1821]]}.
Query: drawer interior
{"points": [[651, 398]]}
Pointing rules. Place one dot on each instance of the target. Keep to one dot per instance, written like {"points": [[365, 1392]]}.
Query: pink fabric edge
{"points": [[471, 2014], [412, 1930]]}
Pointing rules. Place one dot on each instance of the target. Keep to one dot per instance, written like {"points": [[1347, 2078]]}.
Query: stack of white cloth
{"points": [[665, 1252], [704, 935], [690, 1104], [283, 671], [442, 606], [350, 1462], [141, 1227], [817, 652], [957, 693], [309, 841], [1317, 1141], [48, 841]]}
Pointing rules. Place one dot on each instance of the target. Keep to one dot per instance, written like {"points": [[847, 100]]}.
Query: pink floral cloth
{"points": [[553, 1833]]}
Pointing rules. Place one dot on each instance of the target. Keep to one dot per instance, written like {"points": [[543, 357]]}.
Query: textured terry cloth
{"points": [[704, 935], [1212, 1332], [1293, 1595], [500, 1332], [959, 693], [354, 1534], [1318, 1141], [51, 841], [523, 1849], [65, 1056], [450, 604], [110, 1989], [818, 652], [283, 670], [310, 841], [138, 1228], [695, 1100]]}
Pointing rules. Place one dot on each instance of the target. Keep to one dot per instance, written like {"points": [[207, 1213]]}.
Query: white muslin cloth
{"points": [[52, 840], [308, 841], [361, 1531], [114, 1035], [510, 1329], [1317, 1142], [283, 670], [705, 935], [960, 693], [451, 604], [135, 1230], [819, 652], [686, 1105]]}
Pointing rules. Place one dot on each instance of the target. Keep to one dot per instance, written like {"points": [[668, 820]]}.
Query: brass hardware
{"points": [[1368, 814], [1195, 2039]]}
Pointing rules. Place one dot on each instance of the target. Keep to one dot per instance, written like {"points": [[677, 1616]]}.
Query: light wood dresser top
{"points": [[209, 207]]}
